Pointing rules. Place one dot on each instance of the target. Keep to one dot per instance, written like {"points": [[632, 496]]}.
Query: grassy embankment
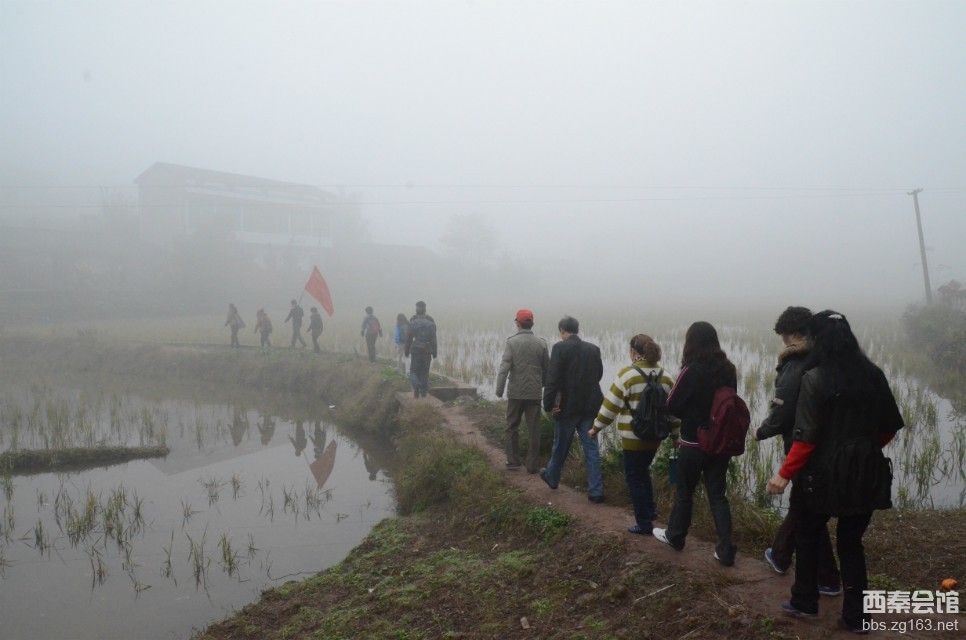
{"points": [[469, 557]]}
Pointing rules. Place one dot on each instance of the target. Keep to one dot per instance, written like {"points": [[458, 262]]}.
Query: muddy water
{"points": [[245, 501]]}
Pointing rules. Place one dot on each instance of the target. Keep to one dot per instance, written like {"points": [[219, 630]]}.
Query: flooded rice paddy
{"points": [[246, 500]]}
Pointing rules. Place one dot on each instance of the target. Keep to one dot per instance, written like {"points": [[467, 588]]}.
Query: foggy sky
{"points": [[764, 148]]}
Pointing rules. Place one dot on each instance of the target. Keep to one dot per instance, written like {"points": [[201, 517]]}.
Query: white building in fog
{"points": [[271, 218]]}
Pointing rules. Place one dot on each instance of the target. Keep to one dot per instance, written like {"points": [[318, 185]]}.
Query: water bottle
{"points": [[672, 466]]}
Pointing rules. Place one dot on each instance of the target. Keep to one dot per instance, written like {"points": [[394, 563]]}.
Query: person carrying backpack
{"points": [[637, 399], [421, 349], [263, 327], [371, 329], [705, 370]]}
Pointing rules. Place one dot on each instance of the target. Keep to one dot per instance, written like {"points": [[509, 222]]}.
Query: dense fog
{"points": [[689, 153]]}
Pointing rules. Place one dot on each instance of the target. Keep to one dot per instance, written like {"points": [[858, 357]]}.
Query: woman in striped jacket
{"points": [[619, 403]]}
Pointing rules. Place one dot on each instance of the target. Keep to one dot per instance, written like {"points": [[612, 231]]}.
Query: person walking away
{"points": [[705, 368], [780, 420], [572, 396], [295, 314], [371, 329], [401, 333], [846, 413], [620, 403], [315, 328], [525, 362], [421, 349], [234, 322], [263, 327]]}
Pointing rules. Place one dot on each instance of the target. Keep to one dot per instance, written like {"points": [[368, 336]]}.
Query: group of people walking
{"points": [[414, 339], [263, 326], [832, 407]]}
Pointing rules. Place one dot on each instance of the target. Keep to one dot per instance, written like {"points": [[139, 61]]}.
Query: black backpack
{"points": [[651, 421], [421, 329]]}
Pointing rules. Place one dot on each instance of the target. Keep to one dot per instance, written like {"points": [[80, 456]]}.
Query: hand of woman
{"points": [[777, 484]]}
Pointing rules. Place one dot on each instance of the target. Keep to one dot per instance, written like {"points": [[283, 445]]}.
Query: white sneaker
{"points": [[661, 534]]}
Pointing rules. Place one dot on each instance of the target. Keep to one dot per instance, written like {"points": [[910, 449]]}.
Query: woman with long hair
{"points": [[620, 403], [401, 333], [846, 413], [705, 368]]}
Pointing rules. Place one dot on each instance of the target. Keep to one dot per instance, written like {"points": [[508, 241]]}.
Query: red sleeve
{"points": [[796, 459], [886, 438]]}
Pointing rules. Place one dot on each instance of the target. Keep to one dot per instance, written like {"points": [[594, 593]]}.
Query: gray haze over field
{"points": [[760, 149]]}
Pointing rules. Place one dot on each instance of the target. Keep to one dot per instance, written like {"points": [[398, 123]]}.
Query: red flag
{"points": [[319, 290]]}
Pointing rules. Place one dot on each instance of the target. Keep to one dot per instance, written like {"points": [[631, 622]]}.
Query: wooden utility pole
{"points": [[922, 246]]}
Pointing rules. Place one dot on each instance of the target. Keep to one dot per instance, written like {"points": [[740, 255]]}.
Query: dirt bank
{"points": [[754, 587]]}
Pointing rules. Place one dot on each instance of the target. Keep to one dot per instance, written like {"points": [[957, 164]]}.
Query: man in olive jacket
{"points": [[525, 362]]}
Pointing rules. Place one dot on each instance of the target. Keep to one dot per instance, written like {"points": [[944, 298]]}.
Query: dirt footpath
{"points": [[757, 589]]}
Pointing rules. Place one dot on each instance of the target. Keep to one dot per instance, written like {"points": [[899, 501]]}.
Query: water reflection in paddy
{"points": [[246, 500]]}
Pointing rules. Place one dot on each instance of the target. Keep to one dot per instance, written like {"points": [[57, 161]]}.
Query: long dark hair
{"points": [[836, 349], [401, 320], [701, 347]]}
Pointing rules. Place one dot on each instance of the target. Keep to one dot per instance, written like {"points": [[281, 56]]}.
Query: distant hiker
{"points": [[295, 314], [525, 362], [421, 349], [705, 368], [402, 332], [371, 329], [235, 322], [263, 326], [781, 421], [572, 396], [621, 402], [315, 328]]}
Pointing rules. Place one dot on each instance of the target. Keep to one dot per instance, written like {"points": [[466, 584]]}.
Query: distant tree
{"points": [[470, 239]]}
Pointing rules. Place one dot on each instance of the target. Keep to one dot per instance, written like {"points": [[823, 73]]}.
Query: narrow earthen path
{"points": [[756, 587]]}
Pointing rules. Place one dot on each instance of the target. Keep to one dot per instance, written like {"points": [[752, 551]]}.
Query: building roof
{"points": [[179, 175]]}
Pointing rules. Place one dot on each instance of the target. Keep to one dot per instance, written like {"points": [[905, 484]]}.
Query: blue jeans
{"points": [[563, 436], [637, 473]]}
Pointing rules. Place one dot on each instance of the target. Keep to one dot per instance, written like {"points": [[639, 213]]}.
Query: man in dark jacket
{"points": [[295, 314], [421, 349], [780, 421], [315, 328], [572, 396]]}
